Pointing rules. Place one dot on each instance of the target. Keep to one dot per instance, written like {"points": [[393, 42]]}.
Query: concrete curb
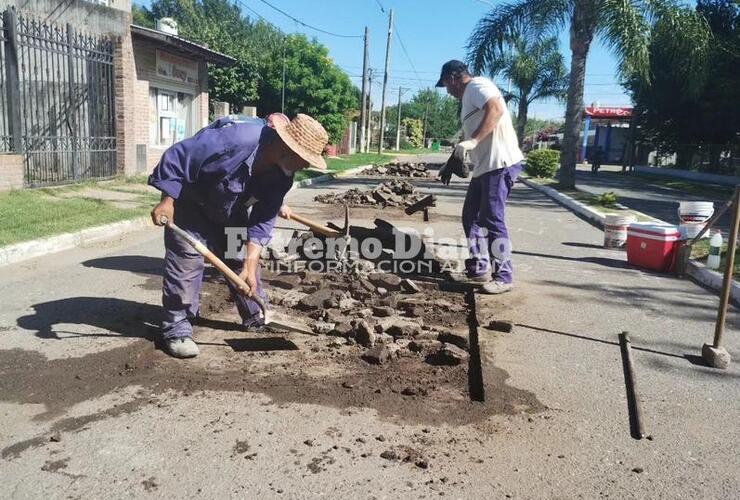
{"points": [[696, 270], [37, 248], [44, 246], [689, 175], [328, 177], [713, 280], [592, 215]]}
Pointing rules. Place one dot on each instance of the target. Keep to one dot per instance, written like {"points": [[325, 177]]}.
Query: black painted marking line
{"points": [[475, 367]]}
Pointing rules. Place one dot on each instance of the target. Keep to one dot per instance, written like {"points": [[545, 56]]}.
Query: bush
{"points": [[543, 163], [608, 199], [405, 144]]}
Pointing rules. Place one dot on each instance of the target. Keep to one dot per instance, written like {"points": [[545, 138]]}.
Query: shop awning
{"points": [[183, 45]]}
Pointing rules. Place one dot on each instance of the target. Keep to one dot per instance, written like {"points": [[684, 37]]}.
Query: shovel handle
{"points": [[314, 226], [217, 263]]}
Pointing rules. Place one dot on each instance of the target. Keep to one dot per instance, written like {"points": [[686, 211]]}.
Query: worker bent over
{"points": [[230, 174], [492, 146]]}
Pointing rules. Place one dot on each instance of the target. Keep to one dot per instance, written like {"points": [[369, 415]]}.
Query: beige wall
{"points": [[83, 15], [134, 108], [11, 172]]}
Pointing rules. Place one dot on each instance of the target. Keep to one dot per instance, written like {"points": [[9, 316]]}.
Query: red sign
{"points": [[594, 112]]}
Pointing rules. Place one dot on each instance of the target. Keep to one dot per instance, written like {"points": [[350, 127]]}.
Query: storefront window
{"points": [[171, 116]]}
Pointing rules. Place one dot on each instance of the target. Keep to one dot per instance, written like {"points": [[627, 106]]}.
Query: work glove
{"points": [[445, 174], [455, 165], [465, 146]]}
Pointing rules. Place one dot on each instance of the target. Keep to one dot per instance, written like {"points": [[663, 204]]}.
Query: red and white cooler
{"points": [[652, 246]]}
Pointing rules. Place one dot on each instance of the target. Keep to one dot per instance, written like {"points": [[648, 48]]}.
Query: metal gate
{"points": [[58, 87]]}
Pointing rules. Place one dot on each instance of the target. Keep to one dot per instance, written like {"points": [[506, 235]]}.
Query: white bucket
{"points": [[615, 229], [693, 216]]}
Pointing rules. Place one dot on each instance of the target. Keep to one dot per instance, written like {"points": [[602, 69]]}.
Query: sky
{"points": [[430, 31]]}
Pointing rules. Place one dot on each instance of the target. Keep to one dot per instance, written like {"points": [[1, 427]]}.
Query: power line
{"points": [[250, 9], [406, 53], [382, 9], [306, 24]]}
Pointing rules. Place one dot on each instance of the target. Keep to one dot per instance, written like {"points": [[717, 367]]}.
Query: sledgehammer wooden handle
{"points": [[313, 225], [218, 263]]}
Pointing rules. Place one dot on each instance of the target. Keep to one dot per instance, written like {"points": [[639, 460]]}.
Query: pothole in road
{"points": [[398, 346]]}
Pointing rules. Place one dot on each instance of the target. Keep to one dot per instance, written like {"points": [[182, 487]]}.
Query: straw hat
{"points": [[306, 137]]}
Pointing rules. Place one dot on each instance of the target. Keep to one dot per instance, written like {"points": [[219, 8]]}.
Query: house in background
{"points": [[86, 95], [167, 96]]}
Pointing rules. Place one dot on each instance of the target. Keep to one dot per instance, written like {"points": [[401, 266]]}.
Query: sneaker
{"points": [[181, 347], [496, 287], [473, 280], [255, 325]]}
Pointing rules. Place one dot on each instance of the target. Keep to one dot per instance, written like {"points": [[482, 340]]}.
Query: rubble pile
{"points": [[395, 193], [385, 315], [398, 169]]}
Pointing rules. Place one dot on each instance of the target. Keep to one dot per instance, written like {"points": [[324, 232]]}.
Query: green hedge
{"points": [[543, 163]]}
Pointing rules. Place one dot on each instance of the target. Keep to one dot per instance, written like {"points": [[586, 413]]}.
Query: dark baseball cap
{"points": [[453, 67]]}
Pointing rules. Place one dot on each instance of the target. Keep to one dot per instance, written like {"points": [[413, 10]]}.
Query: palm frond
{"points": [[624, 26], [513, 20]]}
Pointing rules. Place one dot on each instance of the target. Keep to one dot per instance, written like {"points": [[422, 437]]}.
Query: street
{"points": [[649, 196], [90, 408]]}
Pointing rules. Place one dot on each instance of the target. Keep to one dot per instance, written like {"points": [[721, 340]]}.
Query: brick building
{"points": [[126, 92], [162, 97]]}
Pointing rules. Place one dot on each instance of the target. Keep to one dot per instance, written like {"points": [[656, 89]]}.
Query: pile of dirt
{"points": [[395, 193], [384, 314], [398, 169]]}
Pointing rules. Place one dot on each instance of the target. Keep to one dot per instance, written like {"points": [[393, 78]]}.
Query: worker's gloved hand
{"points": [[463, 147], [445, 174], [455, 165], [166, 209]]}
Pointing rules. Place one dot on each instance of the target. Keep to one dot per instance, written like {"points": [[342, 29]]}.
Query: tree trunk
{"points": [[521, 118], [581, 34]]}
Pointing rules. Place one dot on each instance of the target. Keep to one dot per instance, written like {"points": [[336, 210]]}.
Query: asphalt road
{"points": [[649, 196], [85, 308]]}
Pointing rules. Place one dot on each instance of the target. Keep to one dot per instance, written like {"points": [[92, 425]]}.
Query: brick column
{"points": [[124, 88], [203, 94]]}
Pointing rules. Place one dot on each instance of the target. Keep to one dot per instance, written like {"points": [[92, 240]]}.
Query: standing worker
{"points": [[208, 183], [492, 146]]}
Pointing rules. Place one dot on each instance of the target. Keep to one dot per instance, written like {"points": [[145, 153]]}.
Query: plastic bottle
{"points": [[715, 249]]}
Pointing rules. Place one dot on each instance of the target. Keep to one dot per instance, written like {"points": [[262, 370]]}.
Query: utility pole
{"points": [[282, 107], [424, 131], [369, 111], [364, 95], [398, 121], [385, 80]]}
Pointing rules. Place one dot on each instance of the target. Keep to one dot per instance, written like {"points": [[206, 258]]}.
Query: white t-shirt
{"points": [[501, 148]]}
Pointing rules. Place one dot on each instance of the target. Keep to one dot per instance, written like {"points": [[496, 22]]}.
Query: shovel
{"points": [[269, 317]]}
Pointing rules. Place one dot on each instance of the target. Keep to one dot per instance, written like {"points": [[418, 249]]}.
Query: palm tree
{"points": [[531, 62], [624, 25]]}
